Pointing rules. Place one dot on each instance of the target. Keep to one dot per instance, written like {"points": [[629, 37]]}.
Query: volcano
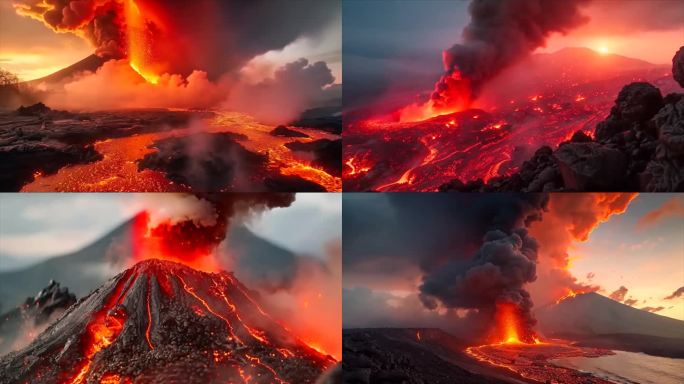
{"points": [[538, 103], [160, 321]]}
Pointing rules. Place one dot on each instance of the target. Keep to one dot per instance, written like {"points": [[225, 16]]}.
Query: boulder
{"points": [[637, 102], [590, 166], [678, 66]]}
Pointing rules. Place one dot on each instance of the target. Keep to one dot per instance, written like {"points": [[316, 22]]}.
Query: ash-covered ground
{"points": [[158, 150], [164, 322]]}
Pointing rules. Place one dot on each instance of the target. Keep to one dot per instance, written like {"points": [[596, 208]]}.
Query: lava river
{"points": [[118, 170], [477, 144]]}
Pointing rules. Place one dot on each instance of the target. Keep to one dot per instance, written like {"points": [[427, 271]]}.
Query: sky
{"points": [[34, 227], [395, 46], [646, 258], [31, 50], [641, 249]]}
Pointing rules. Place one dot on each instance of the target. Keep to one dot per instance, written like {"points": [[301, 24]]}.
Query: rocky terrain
{"points": [[21, 323], [164, 322], [410, 356], [639, 147], [37, 140], [327, 154]]}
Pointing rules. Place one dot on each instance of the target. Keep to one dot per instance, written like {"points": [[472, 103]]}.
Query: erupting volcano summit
{"points": [[160, 321]]}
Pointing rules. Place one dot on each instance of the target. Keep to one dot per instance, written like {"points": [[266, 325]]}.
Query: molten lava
{"points": [[507, 322], [139, 43], [144, 326], [452, 94]]}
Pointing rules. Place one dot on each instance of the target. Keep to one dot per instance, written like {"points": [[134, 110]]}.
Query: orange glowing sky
{"points": [[31, 50], [642, 250]]}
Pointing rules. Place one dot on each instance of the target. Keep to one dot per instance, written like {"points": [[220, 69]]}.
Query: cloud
{"points": [[652, 309], [631, 302], [673, 208], [677, 293], [619, 294]]}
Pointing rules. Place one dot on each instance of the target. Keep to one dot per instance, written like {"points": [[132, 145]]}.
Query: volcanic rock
{"points": [[328, 119], [637, 102], [381, 355], [678, 66], [34, 110], [207, 162], [164, 322], [40, 140], [33, 313], [665, 172], [590, 166], [284, 131], [327, 153], [284, 183]]}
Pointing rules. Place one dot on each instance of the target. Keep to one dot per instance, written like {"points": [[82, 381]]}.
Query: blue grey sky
{"points": [[35, 226]]}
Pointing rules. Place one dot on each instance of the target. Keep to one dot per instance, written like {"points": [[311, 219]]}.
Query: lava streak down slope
{"points": [[164, 322]]}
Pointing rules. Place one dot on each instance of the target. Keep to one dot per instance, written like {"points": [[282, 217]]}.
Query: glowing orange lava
{"points": [[139, 51], [452, 94], [103, 329], [507, 322]]}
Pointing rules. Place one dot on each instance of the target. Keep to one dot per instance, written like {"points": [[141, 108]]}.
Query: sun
{"points": [[603, 50]]}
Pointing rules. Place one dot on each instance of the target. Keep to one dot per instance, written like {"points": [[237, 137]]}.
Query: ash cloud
{"points": [[215, 36], [99, 22], [471, 250], [501, 33]]}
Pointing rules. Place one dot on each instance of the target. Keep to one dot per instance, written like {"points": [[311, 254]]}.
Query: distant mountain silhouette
{"points": [[89, 64], [86, 269], [596, 320]]}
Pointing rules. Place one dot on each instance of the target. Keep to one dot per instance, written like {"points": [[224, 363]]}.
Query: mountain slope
{"points": [[594, 314], [86, 269], [89, 64], [161, 321]]}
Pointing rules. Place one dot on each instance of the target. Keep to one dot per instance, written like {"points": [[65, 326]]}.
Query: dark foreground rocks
{"points": [[209, 162], [327, 154], [381, 355], [284, 131], [639, 147], [20, 324]]}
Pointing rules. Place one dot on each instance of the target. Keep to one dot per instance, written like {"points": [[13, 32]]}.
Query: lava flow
{"points": [[520, 350], [164, 322], [422, 146], [119, 168]]}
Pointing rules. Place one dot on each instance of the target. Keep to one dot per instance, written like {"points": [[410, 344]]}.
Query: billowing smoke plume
{"points": [[100, 22], [499, 34], [188, 229], [494, 277], [472, 252], [180, 36], [570, 218]]}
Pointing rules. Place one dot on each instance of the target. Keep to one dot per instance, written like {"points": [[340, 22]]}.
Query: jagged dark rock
{"points": [[590, 166], [665, 172], [327, 153], [33, 315], [284, 131], [678, 66]]}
